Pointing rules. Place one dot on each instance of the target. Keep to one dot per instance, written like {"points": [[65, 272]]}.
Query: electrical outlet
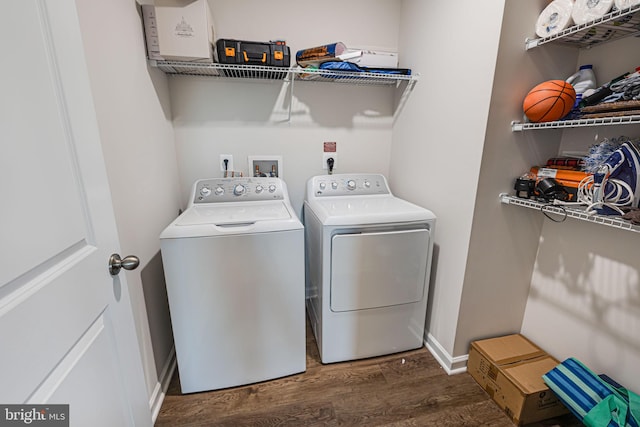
{"points": [[326, 156], [229, 166]]}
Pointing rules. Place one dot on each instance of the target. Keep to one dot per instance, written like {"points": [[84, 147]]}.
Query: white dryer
{"points": [[234, 269], [368, 261]]}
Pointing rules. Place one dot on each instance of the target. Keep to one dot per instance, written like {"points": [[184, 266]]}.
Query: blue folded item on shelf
{"points": [[593, 400], [349, 66]]}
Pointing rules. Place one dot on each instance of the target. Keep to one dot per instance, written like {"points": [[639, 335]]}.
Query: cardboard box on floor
{"points": [[510, 370]]}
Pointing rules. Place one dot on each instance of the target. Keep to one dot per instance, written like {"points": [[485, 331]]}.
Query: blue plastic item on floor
{"points": [[596, 402]]}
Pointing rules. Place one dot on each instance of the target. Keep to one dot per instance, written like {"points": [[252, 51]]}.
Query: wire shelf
{"points": [[603, 121], [612, 26], [279, 73], [221, 70], [349, 77], [571, 212], [289, 75]]}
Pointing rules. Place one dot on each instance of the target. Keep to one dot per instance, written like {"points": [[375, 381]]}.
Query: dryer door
{"points": [[371, 270]]}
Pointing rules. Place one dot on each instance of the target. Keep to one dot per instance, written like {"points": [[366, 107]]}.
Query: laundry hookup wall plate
{"points": [[265, 165]]}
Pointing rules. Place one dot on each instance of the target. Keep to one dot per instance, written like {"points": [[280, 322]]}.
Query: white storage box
{"points": [[179, 30], [371, 58]]}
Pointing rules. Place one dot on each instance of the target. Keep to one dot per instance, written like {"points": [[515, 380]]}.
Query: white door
{"points": [[66, 328]]}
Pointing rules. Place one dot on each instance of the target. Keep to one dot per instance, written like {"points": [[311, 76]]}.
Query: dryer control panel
{"points": [[348, 185], [220, 190]]}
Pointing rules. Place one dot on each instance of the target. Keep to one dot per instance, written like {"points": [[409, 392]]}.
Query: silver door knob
{"points": [[130, 262]]}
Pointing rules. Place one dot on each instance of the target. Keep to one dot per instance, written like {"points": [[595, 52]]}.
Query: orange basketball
{"points": [[549, 101]]}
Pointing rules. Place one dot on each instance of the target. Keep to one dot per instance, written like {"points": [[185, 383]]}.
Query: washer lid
{"points": [[367, 210], [234, 213], [232, 218]]}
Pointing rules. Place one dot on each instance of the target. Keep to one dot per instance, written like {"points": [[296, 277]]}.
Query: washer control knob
{"points": [[351, 184], [239, 190], [219, 191], [323, 185], [259, 189], [272, 188], [367, 184], [334, 185], [205, 191]]}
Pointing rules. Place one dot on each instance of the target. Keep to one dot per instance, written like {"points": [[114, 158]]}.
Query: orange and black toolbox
{"points": [[271, 54]]}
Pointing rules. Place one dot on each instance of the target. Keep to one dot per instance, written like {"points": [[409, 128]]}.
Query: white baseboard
{"points": [[451, 365], [160, 390]]}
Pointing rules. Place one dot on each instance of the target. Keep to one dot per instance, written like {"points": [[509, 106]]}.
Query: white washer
{"points": [[234, 269], [368, 265]]}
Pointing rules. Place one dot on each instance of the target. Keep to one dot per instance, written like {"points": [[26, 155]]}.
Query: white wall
{"points": [[357, 23], [438, 139], [137, 139], [585, 291], [213, 117], [239, 122], [504, 239]]}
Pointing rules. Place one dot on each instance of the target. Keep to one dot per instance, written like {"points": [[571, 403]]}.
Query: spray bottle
{"points": [[583, 80]]}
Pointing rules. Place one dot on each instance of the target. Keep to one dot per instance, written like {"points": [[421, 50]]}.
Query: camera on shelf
{"points": [[547, 189]]}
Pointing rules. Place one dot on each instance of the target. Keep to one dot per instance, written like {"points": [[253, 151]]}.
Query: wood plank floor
{"points": [[404, 389]]}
